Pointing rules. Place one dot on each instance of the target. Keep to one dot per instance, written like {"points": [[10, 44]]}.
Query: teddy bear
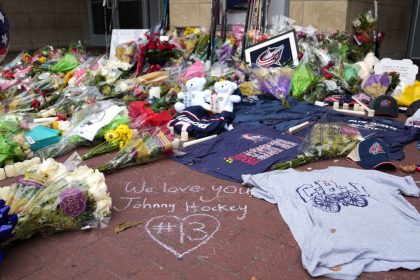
{"points": [[366, 66], [222, 99], [194, 96]]}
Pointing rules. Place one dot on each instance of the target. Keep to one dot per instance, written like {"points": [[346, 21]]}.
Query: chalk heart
{"points": [[181, 236]]}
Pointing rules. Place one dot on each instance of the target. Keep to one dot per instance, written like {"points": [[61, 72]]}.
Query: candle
{"points": [[184, 136], [356, 107], [345, 106]]}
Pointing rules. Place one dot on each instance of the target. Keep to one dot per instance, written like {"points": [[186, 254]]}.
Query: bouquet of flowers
{"points": [[365, 37], [114, 139], [126, 51], [155, 52], [190, 40], [13, 147], [225, 51], [274, 81], [147, 146], [325, 141], [88, 124], [71, 100], [50, 198]]}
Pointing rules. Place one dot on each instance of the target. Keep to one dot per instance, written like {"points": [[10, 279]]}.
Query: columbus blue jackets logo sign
{"points": [[276, 52], [271, 57]]}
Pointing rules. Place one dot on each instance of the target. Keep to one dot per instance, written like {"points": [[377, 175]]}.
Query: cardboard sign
{"points": [[277, 52], [406, 68], [120, 36]]}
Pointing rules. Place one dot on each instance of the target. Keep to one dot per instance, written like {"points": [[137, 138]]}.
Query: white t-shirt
{"points": [[346, 220]]}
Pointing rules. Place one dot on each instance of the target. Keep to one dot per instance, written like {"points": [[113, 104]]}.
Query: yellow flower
{"points": [[188, 31], [110, 136], [55, 125], [42, 59], [232, 41], [26, 58], [120, 135]]}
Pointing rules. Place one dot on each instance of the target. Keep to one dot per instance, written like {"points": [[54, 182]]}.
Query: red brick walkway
{"points": [[194, 226]]}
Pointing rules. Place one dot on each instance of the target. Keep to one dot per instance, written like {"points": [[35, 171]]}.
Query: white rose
{"points": [[103, 208], [47, 167], [99, 191], [96, 179], [81, 174]]}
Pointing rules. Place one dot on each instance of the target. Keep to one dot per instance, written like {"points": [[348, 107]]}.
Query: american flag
{"points": [[4, 35]]}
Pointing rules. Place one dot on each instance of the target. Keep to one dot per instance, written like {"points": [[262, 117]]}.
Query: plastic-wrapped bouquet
{"points": [[147, 146], [325, 141], [274, 81], [88, 124], [49, 198], [114, 139], [13, 147]]}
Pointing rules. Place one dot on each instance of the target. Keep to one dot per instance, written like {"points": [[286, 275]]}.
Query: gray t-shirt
{"points": [[346, 220]]}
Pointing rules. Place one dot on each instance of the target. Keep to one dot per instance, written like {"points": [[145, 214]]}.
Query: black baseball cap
{"points": [[385, 106], [370, 154]]}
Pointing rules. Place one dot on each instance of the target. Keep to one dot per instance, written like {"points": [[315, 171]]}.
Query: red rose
{"points": [[300, 55], [8, 74], [380, 36], [363, 38], [324, 70], [61, 117], [154, 68], [35, 103], [161, 47], [329, 76], [151, 45]]}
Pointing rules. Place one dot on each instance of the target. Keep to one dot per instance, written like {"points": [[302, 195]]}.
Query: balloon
{"points": [[4, 35]]}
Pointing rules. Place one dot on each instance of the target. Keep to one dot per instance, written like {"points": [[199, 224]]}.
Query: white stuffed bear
{"points": [[222, 100], [366, 66], [194, 96]]}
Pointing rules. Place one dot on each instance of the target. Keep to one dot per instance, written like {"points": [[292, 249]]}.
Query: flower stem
{"points": [[101, 149]]}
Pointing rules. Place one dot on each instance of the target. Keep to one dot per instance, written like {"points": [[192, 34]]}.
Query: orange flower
{"points": [[68, 76]]}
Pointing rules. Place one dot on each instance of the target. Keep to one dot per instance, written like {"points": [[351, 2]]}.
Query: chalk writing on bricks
{"points": [[202, 205], [181, 236]]}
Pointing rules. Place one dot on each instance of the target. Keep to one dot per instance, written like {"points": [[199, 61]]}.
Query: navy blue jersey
{"points": [[392, 132], [199, 123], [271, 112], [244, 150]]}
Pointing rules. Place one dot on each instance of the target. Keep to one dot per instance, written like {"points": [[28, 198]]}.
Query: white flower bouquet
{"points": [[50, 198]]}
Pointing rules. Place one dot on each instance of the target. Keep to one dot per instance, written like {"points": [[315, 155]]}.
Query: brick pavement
{"points": [[229, 235]]}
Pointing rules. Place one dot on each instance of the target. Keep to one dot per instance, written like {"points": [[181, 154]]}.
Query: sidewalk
{"points": [[193, 226]]}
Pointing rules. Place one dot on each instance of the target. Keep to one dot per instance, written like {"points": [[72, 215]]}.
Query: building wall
{"points": [[37, 23], [323, 15], [185, 13], [394, 18]]}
